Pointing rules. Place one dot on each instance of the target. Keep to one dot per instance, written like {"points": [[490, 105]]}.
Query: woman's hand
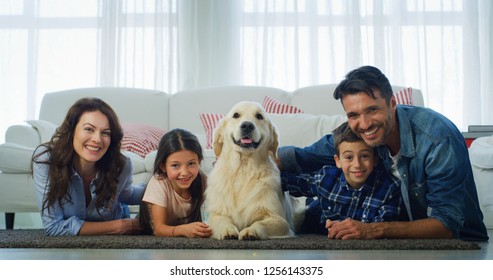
{"points": [[129, 226]]}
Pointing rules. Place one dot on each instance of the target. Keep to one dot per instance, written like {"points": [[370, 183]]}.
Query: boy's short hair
{"points": [[343, 133]]}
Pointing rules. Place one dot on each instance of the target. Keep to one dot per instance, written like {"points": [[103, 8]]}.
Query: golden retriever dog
{"points": [[244, 199]]}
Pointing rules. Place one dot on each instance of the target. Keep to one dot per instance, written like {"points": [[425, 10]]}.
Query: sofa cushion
{"points": [[130, 104], [302, 130], [140, 138]]}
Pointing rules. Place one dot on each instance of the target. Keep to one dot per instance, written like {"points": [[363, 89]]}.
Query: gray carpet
{"points": [[36, 239]]}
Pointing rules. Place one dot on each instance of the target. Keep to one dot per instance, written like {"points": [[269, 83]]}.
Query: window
{"points": [[438, 46]]}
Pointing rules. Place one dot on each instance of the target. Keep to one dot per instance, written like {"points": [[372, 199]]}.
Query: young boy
{"points": [[358, 188]]}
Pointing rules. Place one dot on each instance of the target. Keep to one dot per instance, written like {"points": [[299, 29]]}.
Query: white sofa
{"points": [[167, 111]]}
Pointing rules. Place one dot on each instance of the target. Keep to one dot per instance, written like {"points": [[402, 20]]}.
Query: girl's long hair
{"points": [[174, 141], [62, 156]]}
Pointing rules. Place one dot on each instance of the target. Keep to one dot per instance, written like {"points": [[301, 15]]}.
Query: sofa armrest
{"points": [[15, 158], [23, 135], [31, 135]]}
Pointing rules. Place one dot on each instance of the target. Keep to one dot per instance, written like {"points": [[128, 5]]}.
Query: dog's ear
{"points": [[218, 142], [274, 139]]}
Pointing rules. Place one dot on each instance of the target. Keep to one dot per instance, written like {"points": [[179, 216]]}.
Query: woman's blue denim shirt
{"points": [[437, 179], [69, 220]]}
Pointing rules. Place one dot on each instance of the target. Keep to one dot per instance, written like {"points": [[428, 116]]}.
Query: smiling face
{"points": [[248, 125], [181, 168], [92, 137], [248, 128], [371, 118], [356, 159]]}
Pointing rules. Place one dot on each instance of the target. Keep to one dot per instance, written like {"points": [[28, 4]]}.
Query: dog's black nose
{"points": [[247, 127]]}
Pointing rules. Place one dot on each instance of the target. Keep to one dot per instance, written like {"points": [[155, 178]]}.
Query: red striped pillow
{"points": [[273, 106], [404, 96], [140, 138], [210, 121]]}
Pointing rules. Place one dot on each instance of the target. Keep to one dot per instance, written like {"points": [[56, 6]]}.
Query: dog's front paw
{"points": [[228, 232], [252, 233]]}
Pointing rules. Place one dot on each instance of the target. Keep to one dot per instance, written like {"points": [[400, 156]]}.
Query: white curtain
{"points": [[442, 47]]}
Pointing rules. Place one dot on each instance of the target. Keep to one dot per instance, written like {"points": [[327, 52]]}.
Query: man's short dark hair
{"points": [[364, 79]]}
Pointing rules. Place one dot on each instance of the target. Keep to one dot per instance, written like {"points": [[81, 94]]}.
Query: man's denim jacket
{"points": [[436, 173]]}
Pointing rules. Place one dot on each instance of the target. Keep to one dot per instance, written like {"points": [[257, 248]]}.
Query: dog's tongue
{"points": [[246, 141]]}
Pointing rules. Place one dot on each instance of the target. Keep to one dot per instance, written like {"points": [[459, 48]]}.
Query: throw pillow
{"points": [[273, 106], [140, 138], [404, 96], [210, 121]]}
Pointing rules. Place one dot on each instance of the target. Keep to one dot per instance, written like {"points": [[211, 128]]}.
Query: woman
{"points": [[83, 183]]}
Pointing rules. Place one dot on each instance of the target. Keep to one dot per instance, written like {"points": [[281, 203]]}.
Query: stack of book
{"points": [[476, 131]]}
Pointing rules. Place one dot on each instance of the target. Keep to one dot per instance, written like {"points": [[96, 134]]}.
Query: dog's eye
{"points": [[259, 116], [236, 115]]}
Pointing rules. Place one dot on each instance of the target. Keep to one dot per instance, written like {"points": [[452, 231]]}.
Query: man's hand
{"points": [[349, 229], [423, 228]]}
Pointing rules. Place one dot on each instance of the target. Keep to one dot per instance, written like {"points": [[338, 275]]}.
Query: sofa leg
{"points": [[9, 220]]}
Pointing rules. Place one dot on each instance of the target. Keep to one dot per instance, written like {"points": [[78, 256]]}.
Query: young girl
{"points": [[174, 195]]}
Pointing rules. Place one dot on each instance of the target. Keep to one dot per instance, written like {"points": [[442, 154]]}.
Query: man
{"points": [[419, 146]]}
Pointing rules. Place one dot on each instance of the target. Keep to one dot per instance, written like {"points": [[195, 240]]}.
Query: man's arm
{"points": [[429, 228], [308, 159], [299, 185]]}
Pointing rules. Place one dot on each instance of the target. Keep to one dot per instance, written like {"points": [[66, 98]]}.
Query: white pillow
{"points": [[481, 152], [138, 162], [302, 130], [45, 129], [149, 161]]}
